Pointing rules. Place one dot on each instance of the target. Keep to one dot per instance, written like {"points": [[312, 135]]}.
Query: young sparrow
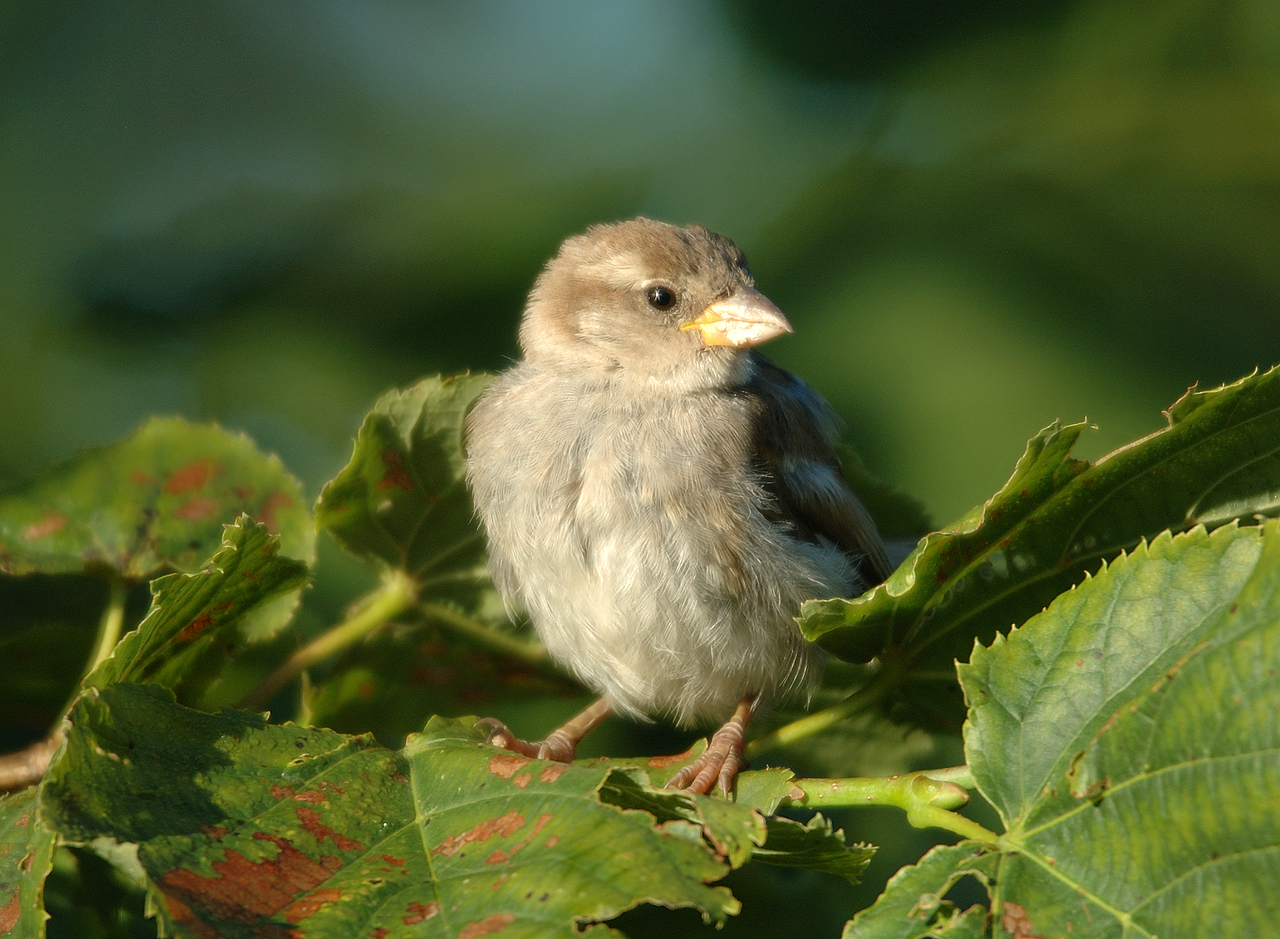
{"points": [[659, 498]]}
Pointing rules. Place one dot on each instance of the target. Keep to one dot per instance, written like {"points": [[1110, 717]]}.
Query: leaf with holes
{"points": [[248, 829], [1055, 519], [1128, 738]]}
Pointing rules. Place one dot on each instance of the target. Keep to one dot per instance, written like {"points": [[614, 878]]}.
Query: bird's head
{"points": [[647, 299]]}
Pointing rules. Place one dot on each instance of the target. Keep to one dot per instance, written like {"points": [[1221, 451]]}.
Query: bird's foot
{"points": [[561, 744], [556, 747], [722, 758]]}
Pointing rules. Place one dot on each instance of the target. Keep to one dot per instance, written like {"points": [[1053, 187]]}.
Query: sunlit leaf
{"points": [[1057, 518], [156, 500], [1128, 738]]}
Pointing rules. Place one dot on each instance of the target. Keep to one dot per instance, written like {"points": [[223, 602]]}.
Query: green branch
{"points": [[397, 594], [532, 653], [815, 723], [111, 622], [924, 796]]}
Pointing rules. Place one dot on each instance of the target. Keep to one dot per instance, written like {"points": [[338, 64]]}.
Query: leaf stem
{"points": [[925, 798], [396, 595], [112, 621], [815, 723], [533, 653]]}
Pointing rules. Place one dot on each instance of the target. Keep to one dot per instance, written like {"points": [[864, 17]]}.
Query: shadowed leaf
{"points": [[912, 905], [196, 620], [403, 499], [251, 829], [26, 855]]}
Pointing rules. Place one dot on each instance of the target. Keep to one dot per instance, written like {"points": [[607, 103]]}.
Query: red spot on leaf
{"points": [[504, 825], [553, 772], [421, 912], [314, 796], [553, 841], [662, 762], [500, 881], [393, 861], [9, 913], [195, 627], [506, 764], [495, 922], [181, 913], [396, 476], [192, 476], [23, 820], [366, 689], [243, 492], [309, 905], [213, 831], [267, 513], [139, 478], [523, 780], [311, 822], [245, 891], [378, 933], [498, 856], [51, 524], [282, 792], [193, 510], [1015, 921]]}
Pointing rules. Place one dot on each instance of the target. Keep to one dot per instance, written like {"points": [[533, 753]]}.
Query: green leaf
{"points": [[816, 846], [1128, 738], [402, 503], [1055, 519], [156, 500], [402, 500], [250, 829], [26, 855], [196, 620], [912, 904]]}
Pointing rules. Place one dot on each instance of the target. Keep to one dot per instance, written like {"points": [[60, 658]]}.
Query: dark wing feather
{"points": [[793, 434]]}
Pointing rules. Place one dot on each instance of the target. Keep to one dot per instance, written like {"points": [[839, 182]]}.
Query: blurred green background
{"points": [[979, 217]]}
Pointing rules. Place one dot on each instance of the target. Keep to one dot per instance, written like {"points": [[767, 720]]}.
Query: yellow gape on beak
{"points": [[745, 319]]}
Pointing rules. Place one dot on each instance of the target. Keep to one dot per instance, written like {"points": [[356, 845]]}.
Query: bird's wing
{"points": [[793, 434]]}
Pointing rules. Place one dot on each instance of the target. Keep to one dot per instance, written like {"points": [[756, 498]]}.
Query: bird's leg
{"points": [[561, 744], [723, 756]]}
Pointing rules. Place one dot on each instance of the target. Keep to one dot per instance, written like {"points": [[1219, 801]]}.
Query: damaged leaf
{"points": [[251, 829]]}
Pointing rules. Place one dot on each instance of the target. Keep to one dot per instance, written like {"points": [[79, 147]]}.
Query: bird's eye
{"points": [[661, 298]]}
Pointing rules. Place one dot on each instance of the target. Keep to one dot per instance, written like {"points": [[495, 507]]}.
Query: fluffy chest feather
{"points": [[630, 528]]}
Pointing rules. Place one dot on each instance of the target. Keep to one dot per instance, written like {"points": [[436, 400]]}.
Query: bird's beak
{"points": [[743, 320]]}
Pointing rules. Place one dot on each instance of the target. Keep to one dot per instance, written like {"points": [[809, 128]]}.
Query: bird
{"points": [[657, 496]]}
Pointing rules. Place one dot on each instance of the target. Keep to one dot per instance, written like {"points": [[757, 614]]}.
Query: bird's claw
{"points": [[719, 763], [557, 746]]}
